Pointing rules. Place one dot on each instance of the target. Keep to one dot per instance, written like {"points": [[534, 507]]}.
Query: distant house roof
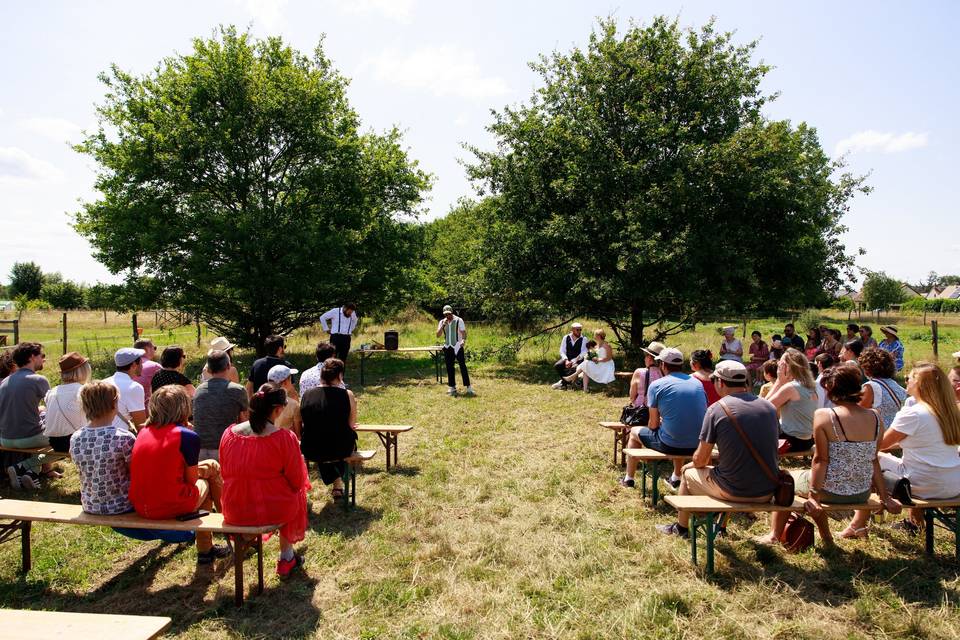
{"points": [[933, 293], [909, 291], [950, 293]]}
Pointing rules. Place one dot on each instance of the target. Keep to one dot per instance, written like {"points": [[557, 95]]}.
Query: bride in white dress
{"points": [[599, 368]]}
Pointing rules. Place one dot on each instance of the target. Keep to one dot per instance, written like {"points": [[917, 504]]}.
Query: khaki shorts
{"points": [[700, 482]]}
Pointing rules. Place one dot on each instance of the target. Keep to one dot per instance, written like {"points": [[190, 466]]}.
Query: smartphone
{"points": [[193, 516]]}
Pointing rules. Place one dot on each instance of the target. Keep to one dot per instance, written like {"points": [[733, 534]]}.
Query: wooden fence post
{"points": [[936, 338], [16, 331], [136, 332], [64, 333], [196, 318]]}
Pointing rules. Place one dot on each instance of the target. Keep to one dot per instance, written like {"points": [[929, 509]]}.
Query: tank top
{"points": [[326, 431], [796, 416], [850, 468]]}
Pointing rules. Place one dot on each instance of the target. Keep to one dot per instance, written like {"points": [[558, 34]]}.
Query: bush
{"points": [[809, 319]]}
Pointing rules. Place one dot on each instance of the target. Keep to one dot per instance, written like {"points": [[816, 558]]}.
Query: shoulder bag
{"points": [[638, 416], [783, 494], [797, 535]]}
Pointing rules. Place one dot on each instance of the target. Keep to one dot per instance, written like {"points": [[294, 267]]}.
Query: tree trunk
{"points": [[636, 325], [263, 330]]}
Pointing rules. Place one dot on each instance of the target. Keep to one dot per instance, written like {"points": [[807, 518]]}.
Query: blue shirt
{"points": [[682, 403], [895, 349]]}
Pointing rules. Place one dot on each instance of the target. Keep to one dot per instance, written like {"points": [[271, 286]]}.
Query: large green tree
{"points": [[26, 279], [880, 290], [642, 184], [239, 178]]}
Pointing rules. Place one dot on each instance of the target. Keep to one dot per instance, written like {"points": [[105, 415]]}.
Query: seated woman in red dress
{"points": [[167, 478], [264, 476]]}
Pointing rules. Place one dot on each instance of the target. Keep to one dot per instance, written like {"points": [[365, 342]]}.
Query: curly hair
{"points": [[877, 363], [842, 383]]}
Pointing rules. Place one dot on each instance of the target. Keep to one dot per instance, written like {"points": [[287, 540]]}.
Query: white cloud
{"points": [[56, 129], [444, 70], [16, 165], [267, 13], [398, 10], [882, 142]]}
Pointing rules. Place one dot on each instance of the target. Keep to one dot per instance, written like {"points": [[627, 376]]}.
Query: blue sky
{"points": [[877, 80]]}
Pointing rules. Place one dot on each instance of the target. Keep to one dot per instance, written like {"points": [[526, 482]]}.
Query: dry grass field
{"points": [[503, 520]]}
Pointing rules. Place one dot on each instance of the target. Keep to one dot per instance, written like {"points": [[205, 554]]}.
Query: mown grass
{"points": [[503, 520]]}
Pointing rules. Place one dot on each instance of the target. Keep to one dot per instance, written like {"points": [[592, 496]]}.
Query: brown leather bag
{"points": [[797, 535], [783, 494]]}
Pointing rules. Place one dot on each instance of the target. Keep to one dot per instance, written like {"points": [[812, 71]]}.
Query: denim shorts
{"points": [[651, 440]]}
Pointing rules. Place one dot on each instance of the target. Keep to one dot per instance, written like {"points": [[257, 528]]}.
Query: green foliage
{"points": [[62, 294], [937, 305], [237, 177], [641, 184], [880, 290], [26, 278], [809, 319], [843, 303]]}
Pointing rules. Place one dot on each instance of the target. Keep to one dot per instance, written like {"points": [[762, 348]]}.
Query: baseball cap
{"points": [[576, 325], [127, 355], [654, 348], [730, 371], [447, 309], [669, 355], [280, 372]]}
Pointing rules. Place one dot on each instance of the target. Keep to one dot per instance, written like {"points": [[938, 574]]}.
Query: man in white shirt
{"points": [[573, 349], [131, 409], [454, 333], [340, 322]]}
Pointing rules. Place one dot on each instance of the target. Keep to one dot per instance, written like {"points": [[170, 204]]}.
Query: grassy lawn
{"points": [[503, 520]]}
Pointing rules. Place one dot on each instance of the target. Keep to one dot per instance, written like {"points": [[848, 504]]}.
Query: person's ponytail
{"points": [[262, 404]]}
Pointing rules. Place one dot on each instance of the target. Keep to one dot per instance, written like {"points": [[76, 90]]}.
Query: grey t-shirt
{"points": [[217, 404], [20, 396], [735, 469]]}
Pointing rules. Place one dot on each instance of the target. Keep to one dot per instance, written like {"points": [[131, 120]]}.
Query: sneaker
{"points": [[14, 475], [469, 392], [558, 385], [675, 484], [673, 530], [286, 567], [627, 482], [217, 551], [907, 527], [30, 480], [451, 391]]}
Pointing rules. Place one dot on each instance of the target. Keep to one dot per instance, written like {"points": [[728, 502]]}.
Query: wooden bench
{"points": [[704, 512], [32, 451], [22, 513], [354, 462], [388, 436], [650, 461], [621, 433], [56, 625]]}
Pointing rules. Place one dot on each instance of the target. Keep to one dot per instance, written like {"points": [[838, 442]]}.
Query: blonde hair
{"points": [[80, 374], [169, 404], [935, 391], [601, 333], [98, 399], [799, 368]]}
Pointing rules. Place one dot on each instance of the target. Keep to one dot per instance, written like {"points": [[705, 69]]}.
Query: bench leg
{"points": [[395, 439], [928, 530], [624, 435], [353, 488], [259, 564], [692, 531], [643, 480], [709, 523], [616, 442], [387, 444], [655, 485], [239, 550], [26, 560]]}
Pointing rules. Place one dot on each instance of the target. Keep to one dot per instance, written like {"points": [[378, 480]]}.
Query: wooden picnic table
{"points": [[16, 624], [436, 353], [388, 436]]}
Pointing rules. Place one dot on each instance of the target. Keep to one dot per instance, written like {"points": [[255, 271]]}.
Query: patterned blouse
{"points": [[895, 349], [850, 467], [102, 455]]}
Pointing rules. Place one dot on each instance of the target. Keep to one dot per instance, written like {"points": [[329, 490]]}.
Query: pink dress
{"points": [[759, 353], [265, 481]]}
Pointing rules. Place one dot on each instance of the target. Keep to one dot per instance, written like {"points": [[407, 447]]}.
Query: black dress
{"points": [[326, 432]]}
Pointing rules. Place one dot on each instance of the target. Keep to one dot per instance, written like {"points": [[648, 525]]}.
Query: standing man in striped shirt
{"points": [[340, 322], [454, 333]]}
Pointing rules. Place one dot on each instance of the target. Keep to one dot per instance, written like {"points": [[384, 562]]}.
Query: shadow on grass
{"points": [[913, 577], [133, 591], [334, 519]]}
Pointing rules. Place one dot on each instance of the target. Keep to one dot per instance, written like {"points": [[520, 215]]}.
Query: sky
{"points": [[876, 79]]}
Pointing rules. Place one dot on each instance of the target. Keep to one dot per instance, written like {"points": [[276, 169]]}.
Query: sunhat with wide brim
{"points": [[892, 330], [654, 348]]}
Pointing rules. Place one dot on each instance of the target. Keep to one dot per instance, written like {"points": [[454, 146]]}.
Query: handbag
{"points": [[637, 416], [797, 535], [783, 494]]}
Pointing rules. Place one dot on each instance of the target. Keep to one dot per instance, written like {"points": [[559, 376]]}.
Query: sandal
{"points": [[853, 533], [52, 474]]}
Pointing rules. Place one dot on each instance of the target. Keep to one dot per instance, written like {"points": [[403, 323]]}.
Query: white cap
{"points": [[671, 356], [576, 325], [127, 355], [280, 372]]}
